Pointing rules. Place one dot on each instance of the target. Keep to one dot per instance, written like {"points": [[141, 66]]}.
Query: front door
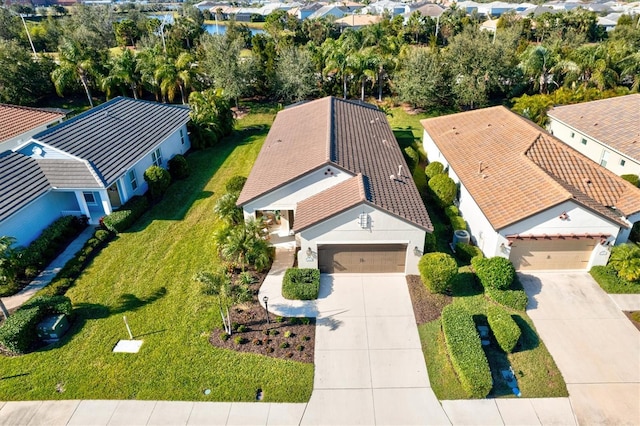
{"points": [[114, 196]]}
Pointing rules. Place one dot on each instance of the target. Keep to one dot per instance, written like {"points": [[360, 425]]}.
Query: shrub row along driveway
{"points": [[595, 346]]}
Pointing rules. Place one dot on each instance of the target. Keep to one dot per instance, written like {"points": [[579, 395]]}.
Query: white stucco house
{"points": [[607, 131], [18, 123], [527, 196], [333, 174], [88, 165]]}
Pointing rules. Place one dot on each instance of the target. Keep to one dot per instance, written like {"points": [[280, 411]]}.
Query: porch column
{"points": [[104, 199], [82, 203]]}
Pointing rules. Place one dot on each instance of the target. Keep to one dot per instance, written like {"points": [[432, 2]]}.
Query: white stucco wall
{"points": [[594, 149], [433, 153], [482, 233], [288, 196], [29, 222], [345, 229]]}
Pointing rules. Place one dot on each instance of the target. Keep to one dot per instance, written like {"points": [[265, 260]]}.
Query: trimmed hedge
{"points": [[301, 284], [632, 179], [430, 244], [18, 333], [437, 270], [465, 351], [466, 252], [443, 189], [158, 180], [434, 168], [495, 272], [512, 298], [179, 167], [412, 156], [127, 214], [504, 328], [235, 184]]}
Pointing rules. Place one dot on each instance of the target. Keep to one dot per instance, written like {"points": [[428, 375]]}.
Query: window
{"points": [[156, 158], [622, 162], [182, 136], [133, 180], [90, 198], [584, 141], [604, 158], [572, 135]]}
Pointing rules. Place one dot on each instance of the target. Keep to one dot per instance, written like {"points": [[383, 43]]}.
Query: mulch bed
{"points": [[426, 306], [285, 338]]}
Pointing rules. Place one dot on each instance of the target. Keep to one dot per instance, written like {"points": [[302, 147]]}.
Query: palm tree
{"points": [[76, 64], [175, 75], [362, 66], [148, 63], [123, 71], [631, 69], [625, 259], [227, 209], [538, 63], [211, 116], [218, 284], [336, 61], [245, 243]]}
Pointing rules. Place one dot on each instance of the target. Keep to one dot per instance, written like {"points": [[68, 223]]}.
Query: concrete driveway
{"points": [[594, 345]]}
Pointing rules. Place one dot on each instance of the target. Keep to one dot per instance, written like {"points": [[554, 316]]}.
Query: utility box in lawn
{"points": [[52, 328]]}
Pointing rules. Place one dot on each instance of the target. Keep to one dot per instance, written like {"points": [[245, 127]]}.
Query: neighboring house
{"points": [[607, 131], [333, 172], [358, 21], [328, 11], [18, 123], [528, 197], [88, 165], [426, 9]]}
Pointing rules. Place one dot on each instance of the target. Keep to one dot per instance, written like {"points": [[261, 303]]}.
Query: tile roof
{"points": [[21, 182], [513, 169], [15, 120], [352, 136], [330, 202], [614, 122], [117, 134], [68, 174]]}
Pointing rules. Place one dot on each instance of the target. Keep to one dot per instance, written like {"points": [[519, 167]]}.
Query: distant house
{"points": [[607, 131], [527, 196], [18, 123], [358, 21], [88, 165], [327, 11], [333, 173]]}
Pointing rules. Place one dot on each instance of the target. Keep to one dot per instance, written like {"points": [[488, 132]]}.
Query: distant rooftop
{"points": [[16, 120]]}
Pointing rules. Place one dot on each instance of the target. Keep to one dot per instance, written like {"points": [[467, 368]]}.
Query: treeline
{"points": [[449, 63]]}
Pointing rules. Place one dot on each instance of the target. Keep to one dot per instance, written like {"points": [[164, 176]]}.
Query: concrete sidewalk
{"points": [[49, 273]]}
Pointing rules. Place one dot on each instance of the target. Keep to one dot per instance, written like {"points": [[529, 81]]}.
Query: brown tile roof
{"points": [[524, 170], [614, 122], [330, 202], [15, 120], [354, 137]]}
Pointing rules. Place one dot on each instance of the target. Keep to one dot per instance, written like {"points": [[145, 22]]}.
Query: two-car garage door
{"points": [[551, 253], [361, 258]]}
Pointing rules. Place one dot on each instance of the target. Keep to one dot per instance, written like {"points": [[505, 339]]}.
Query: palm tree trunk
{"points": [[380, 83], [362, 89], [184, 102], [134, 89], [85, 84], [4, 310], [344, 86]]}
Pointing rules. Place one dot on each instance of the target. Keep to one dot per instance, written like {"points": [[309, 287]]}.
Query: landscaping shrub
{"points": [[129, 212], [495, 272], [458, 223], [505, 329], [625, 259], [632, 179], [179, 167], [465, 351], [607, 277], [451, 211], [430, 244], [235, 184], [50, 304], [412, 156], [515, 299], [301, 283], [437, 270], [465, 251], [434, 168], [443, 189], [158, 180]]}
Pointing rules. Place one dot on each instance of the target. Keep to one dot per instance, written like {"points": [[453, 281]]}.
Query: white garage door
{"points": [[542, 253], [361, 258]]}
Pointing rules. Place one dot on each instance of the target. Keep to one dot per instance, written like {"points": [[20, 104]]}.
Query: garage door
{"points": [[362, 258], [543, 254]]}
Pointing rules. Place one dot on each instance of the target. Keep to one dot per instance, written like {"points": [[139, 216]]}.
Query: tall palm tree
{"points": [[362, 66], [538, 63], [336, 61], [75, 64], [123, 71], [148, 62], [175, 75]]}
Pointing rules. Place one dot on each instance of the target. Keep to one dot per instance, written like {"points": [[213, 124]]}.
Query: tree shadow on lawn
{"points": [[529, 338], [465, 285], [405, 138], [128, 302]]}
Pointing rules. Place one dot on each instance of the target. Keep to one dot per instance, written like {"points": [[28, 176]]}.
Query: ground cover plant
{"points": [[301, 283], [607, 277], [146, 274]]}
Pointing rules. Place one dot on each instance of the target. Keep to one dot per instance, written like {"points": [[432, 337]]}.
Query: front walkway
{"points": [[49, 273]]}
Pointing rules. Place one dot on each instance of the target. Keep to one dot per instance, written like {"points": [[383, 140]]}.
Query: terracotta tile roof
{"points": [[15, 120], [330, 202], [614, 122], [513, 169], [352, 136]]}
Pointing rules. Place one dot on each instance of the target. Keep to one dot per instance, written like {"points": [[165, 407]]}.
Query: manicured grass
{"points": [[608, 279], [146, 274]]}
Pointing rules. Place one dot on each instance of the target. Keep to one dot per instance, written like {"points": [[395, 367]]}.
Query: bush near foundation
{"points": [[511, 298], [127, 214], [443, 189], [437, 270], [434, 168], [494, 272], [465, 252], [465, 351], [179, 167], [301, 284], [505, 329], [158, 180]]}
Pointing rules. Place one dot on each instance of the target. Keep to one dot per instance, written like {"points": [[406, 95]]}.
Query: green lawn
{"points": [[608, 279], [146, 274]]}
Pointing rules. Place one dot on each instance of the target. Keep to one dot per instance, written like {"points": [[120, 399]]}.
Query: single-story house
{"points": [[88, 165], [607, 131], [356, 21], [333, 173], [18, 123], [334, 11], [527, 196]]}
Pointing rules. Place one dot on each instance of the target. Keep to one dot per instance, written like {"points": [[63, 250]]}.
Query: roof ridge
{"points": [[361, 189], [331, 133]]}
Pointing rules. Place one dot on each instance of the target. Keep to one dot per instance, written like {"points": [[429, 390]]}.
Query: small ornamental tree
{"points": [[437, 270], [434, 168], [158, 180], [444, 189], [495, 272]]}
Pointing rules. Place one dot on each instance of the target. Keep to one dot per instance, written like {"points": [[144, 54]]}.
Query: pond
{"points": [[222, 28]]}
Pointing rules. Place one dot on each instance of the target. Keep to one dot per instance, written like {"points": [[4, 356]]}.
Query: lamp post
{"points": [[266, 306]]}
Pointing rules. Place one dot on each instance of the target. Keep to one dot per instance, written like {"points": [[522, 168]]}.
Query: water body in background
{"points": [[222, 28]]}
